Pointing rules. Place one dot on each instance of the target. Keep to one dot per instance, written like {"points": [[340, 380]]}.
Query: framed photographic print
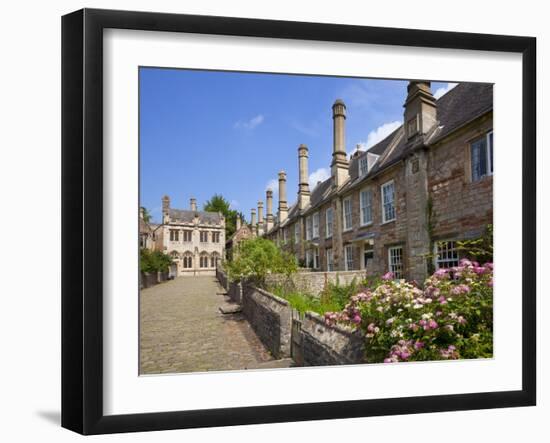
{"points": [[269, 221]]}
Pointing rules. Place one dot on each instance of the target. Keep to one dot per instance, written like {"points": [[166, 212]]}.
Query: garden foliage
{"points": [[451, 318]]}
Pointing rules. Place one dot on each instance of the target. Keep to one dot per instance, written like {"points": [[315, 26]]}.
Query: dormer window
{"points": [[363, 166], [412, 126]]}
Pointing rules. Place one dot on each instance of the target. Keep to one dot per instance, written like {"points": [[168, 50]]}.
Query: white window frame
{"points": [[316, 258], [297, 232], [366, 247], [449, 262], [382, 187], [203, 234], [367, 191], [309, 228], [396, 268], [348, 257], [309, 259], [363, 165], [329, 224], [315, 225], [489, 139], [346, 227], [330, 259]]}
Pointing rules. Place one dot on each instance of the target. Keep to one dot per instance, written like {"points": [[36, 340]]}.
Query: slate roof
{"points": [[459, 106], [187, 216]]}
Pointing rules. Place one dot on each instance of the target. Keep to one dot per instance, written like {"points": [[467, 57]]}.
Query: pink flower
{"points": [[433, 324], [442, 300], [388, 276], [356, 319], [370, 327], [419, 345]]}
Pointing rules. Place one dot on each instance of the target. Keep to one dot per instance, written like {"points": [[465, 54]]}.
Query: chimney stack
{"points": [[269, 209], [165, 209], [260, 217], [303, 185], [193, 204], [420, 109], [253, 220], [238, 222], [339, 166], [141, 212], [283, 208]]}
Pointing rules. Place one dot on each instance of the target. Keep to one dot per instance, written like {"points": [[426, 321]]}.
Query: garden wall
{"points": [[235, 292], [328, 345], [148, 279], [314, 282], [307, 339], [270, 317], [222, 277]]}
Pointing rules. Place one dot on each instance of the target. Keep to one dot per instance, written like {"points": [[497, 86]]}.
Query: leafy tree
{"points": [[153, 261], [479, 249], [219, 204], [255, 258], [146, 214]]}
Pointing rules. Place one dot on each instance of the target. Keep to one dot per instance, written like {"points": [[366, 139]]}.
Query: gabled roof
{"points": [[187, 216], [462, 104]]}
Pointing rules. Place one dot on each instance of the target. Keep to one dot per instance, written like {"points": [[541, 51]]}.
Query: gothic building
{"points": [[403, 203], [194, 239]]}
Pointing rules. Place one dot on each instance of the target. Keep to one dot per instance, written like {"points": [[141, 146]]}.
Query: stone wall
{"points": [[235, 292], [314, 282], [270, 317], [222, 277], [148, 279], [323, 345]]}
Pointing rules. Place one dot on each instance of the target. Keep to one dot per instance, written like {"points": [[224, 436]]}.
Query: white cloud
{"points": [[273, 184], [250, 124], [380, 133], [234, 204], [442, 91], [320, 175]]}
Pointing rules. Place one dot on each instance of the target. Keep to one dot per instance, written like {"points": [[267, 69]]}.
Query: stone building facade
{"points": [[405, 202], [195, 240]]}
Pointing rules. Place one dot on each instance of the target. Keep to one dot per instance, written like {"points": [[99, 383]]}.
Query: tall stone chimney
{"points": [[165, 209], [269, 209], [339, 166], [193, 204], [238, 223], [283, 208], [420, 114], [260, 217], [253, 220], [303, 185]]}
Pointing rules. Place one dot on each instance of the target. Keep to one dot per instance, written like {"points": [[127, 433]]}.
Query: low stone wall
{"points": [[235, 292], [323, 345], [270, 317], [149, 279], [222, 278], [314, 282]]}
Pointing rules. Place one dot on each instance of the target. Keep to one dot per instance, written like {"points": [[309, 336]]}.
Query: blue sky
{"points": [[207, 132]]}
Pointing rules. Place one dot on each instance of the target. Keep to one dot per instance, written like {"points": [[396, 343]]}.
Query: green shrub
{"points": [[153, 261], [255, 258]]}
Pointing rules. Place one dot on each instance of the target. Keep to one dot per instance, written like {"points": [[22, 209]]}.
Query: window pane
{"points": [[479, 159]]}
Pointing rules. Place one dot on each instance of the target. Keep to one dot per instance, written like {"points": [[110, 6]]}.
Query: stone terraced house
{"points": [[194, 239], [405, 201]]}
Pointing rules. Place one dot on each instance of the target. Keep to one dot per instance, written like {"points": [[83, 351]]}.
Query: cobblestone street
{"points": [[182, 330]]}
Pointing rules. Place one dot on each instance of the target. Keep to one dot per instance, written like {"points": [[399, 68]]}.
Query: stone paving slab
{"points": [[183, 330]]}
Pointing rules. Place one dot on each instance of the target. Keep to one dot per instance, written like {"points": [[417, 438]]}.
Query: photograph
{"points": [[289, 220]]}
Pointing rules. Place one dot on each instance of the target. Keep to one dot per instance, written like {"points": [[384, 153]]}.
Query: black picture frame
{"points": [[82, 215]]}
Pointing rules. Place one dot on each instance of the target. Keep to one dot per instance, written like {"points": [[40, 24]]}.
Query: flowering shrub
{"points": [[451, 318]]}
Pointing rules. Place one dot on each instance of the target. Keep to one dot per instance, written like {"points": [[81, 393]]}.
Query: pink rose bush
{"points": [[450, 318]]}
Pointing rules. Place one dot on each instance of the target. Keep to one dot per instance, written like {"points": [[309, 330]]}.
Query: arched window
{"points": [[203, 260], [214, 259], [188, 260], [174, 255]]}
